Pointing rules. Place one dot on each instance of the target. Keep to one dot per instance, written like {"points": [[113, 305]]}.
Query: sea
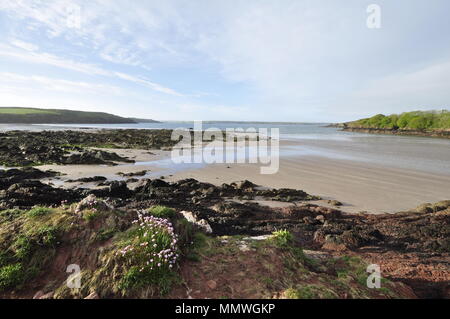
{"points": [[425, 154]]}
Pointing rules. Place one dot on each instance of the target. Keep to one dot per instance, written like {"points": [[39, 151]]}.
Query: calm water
{"points": [[419, 153]]}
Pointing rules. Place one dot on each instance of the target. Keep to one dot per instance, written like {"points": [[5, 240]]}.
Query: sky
{"points": [[260, 60]]}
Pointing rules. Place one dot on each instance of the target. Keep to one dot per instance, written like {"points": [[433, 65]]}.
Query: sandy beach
{"points": [[360, 186]]}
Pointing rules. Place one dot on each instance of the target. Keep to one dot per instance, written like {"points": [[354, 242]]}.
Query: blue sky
{"points": [[289, 60]]}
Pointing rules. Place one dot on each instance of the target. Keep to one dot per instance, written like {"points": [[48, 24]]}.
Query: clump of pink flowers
{"points": [[155, 245]]}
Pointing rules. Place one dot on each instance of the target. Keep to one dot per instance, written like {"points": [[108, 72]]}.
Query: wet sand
{"points": [[359, 185]]}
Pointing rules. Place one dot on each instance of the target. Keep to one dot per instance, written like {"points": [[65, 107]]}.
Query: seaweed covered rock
{"points": [[88, 179], [95, 157], [116, 189], [22, 148], [433, 208], [12, 176], [30, 193]]}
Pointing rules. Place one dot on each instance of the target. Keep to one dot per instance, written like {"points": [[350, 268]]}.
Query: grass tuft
{"points": [[10, 276], [282, 238], [39, 211], [161, 211]]}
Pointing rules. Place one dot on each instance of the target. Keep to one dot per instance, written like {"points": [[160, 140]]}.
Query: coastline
{"points": [[358, 170], [323, 210], [369, 130], [360, 186]]}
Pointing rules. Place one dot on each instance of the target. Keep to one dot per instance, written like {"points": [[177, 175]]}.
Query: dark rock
{"points": [[334, 202], [140, 173], [11, 176], [31, 193], [88, 179], [22, 148]]}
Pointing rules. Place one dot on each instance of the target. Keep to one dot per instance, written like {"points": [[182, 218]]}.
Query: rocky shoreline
{"points": [[413, 247], [408, 132], [23, 148], [70, 147]]}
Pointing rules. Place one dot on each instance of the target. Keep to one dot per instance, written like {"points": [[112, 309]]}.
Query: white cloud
{"points": [[24, 45], [152, 85], [9, 79], [297, 60], [426, 88], [429, 82], [90, 69]]}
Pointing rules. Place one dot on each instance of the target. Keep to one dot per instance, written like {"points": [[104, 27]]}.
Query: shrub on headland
{"points": [[417, 120]]}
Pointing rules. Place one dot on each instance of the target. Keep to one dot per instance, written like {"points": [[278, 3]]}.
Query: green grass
{"points": [[9, 214], [201, 244], [90, 215], [282, 238], [22, 247], [305, 292], [10, 276], [417, 120], [39, 211], [353, 268], [35, 115], [28, 241], [47, 236], [310, 292], [22, 111], [25, 244], [161, 212]]}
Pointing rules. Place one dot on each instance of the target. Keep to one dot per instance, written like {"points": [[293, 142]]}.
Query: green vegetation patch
{"points": [[9, 215], [10, 276], [310, 291], [39, 211], [417, 120], [282, 238], [161, 212], [149, 254], [20, 110], [90, 215], [28, 241], [34, 115]]}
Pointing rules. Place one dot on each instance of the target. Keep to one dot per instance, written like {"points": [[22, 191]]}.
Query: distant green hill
{"points": [[53, 116], [417, 120]]}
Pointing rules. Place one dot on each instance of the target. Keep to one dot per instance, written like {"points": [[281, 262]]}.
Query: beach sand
{"points": [[360, 186]]}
